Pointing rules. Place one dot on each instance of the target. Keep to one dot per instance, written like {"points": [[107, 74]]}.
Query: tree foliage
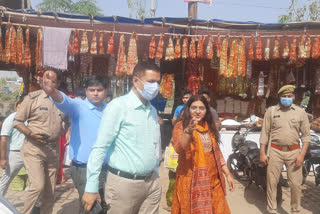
{"points": [[309, 11], [68, 6], [137, 8]]}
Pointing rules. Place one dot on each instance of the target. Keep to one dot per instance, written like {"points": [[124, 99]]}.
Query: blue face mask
{"points": [[150, 90], [286, 101]]}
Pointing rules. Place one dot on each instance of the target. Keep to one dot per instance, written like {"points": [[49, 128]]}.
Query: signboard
{"points": [[201, 1]]}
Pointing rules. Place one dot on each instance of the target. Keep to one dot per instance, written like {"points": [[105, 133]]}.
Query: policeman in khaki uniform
{"points": [[40, 149], [282, 126]]}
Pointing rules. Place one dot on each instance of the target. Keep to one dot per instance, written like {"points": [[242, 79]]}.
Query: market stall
{"points": [[242, 63]]}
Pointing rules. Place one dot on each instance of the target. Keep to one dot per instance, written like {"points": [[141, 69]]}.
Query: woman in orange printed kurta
{"points": [[200, 184]]}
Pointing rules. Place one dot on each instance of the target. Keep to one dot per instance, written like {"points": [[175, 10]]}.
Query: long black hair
{"points": [[186, 117]]}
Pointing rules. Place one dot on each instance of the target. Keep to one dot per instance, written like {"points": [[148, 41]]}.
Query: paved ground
{"points": [[250, 201]]}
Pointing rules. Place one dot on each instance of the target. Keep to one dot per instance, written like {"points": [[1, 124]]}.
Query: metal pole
{"points": [[152, 9], [193, 10], [22, 4]]}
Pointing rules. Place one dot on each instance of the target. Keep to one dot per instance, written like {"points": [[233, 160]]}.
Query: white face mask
{"points": [[150, 90]]}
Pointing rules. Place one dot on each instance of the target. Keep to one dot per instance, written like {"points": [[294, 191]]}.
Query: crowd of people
{"points": [[115, 148]]}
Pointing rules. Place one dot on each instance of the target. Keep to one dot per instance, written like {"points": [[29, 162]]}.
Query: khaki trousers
{"points": [[127, 196], [276, 160], [41, 162]]}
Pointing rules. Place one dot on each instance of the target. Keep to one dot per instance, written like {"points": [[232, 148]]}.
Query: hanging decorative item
{"points": [[219, 46], [159, 53], [293, 49], [267, 51], [93, 47], [39, 49], [152, 48], [20, 46], [251, 54], [84, 43], [27, 53], [185, 46], [260, 84], [302, 51], [13, 54], [76, 42], [194, 84], [101, 48], [235, 59], [259, 49], [231, 59], [167, 86], [286, 51], [177, 49], [192, 48], [170, 50], [209, 49], [316, 48], [242, 57], [224, 57], [307, 47], [132, 54], [276, 53], [6, 56], [121, 67], [110, 44], [200, 47]]}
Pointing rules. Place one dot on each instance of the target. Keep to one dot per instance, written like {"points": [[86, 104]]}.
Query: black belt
{"points": [[128, 175]]}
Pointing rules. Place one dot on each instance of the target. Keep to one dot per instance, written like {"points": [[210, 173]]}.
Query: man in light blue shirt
{"points": [[85, 120], [130, 132], [10, 158]]}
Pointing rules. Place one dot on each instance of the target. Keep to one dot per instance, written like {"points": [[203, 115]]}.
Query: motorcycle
{"points": [[244, 162], [312, 158]]}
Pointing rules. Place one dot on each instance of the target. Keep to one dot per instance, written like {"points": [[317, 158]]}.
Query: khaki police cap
{"points": [[286, 89]]}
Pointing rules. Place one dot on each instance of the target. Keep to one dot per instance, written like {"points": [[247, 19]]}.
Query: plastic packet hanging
{"points": [[261, 84], [249, 69]]}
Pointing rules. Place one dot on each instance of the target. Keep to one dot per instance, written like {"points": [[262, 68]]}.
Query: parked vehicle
{"points": [[244, 162], [312, 159]]}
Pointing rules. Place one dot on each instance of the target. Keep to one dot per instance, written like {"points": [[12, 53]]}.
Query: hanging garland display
{"points": [[121, 67], [192, 49], [200, 47], [259, 49], [39, 49], [170, 51], [110, 44], [84, 43], [177, 49], [27, 53], [209, 49], [224, 58], [132, 54], [250, 53], [6, 56], [276, 53], [101, 48], [76, 42], [302, 50], [285, 53], [185, 46], [242, 57], [20, 46], [159, 53], [13, 53], [152, 48], [93, 48], [316, 48], [293, 49], [219, 46], [308, 47], [167, 86], [267, 51]]}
